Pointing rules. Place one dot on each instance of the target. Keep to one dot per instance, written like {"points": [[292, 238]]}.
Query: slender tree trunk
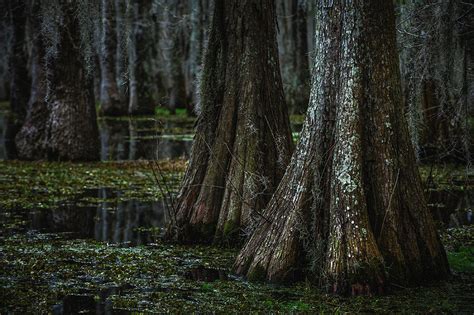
{"points": [[61, 125], [141, 89], [350, 207], [19, 78], [293, 48], [200, 21], [111, 103], [243, 140], [31, 141], [121, 57], [178, 52]]}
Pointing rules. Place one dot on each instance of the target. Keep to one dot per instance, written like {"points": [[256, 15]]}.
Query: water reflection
{"points": [[130, 138], [452, 207], [127, 223], [3, 124], [147, 139]]}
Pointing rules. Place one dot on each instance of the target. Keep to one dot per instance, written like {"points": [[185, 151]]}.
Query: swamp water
{"points": [[85, 238]]}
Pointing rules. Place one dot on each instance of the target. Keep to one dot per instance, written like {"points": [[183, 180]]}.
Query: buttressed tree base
{"points": [[350, 211]]}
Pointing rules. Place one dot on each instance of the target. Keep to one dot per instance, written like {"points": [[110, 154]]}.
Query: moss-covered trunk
{"points": [[350, 208], [243, 141], [64, 123]]}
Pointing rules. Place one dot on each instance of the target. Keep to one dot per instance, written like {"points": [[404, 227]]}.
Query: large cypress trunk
{"points": [[242, 142], [350, 207], [73, 131], [65, 125], [111, 103]]}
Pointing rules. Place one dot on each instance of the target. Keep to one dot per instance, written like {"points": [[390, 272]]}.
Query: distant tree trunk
{"points": [[433, 62], [243, 141], [111, 103], [19, 78], [200, 20], [68, 125], [293, 48], [121, 57], [31, 140], [350, 207], [178, 53], [141, 101]]}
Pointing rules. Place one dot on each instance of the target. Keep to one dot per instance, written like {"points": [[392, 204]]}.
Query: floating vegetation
{"points": [[114, 260], [33, 185]]}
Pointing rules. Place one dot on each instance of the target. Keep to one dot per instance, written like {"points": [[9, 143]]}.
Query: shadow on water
{"points": [[128, 223]]}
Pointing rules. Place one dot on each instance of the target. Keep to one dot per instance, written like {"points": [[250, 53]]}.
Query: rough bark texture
{"points": [[243, 142], [350, 207], [111, 103], [62, 124]]}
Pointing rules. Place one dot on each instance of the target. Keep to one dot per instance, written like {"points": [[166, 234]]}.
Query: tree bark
{"points": [[140, 83], [243, 141], [293, 49], [198, 36], [61, 124], [111, 103], [350, 208], [31, 141], [433, 59], [177, 52], [19, 77]]}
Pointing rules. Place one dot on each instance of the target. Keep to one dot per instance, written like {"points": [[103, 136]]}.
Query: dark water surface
{"points": [[134, 138], [109, 219], [146, 138]]}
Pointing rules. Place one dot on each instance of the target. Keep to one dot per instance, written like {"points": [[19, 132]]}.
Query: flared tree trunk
{"points": [[64, 127], [350, 207], [111, 103], [242, 142]]}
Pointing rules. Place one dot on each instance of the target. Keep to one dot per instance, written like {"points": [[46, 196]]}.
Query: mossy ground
{"points": [[38, 270]]}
